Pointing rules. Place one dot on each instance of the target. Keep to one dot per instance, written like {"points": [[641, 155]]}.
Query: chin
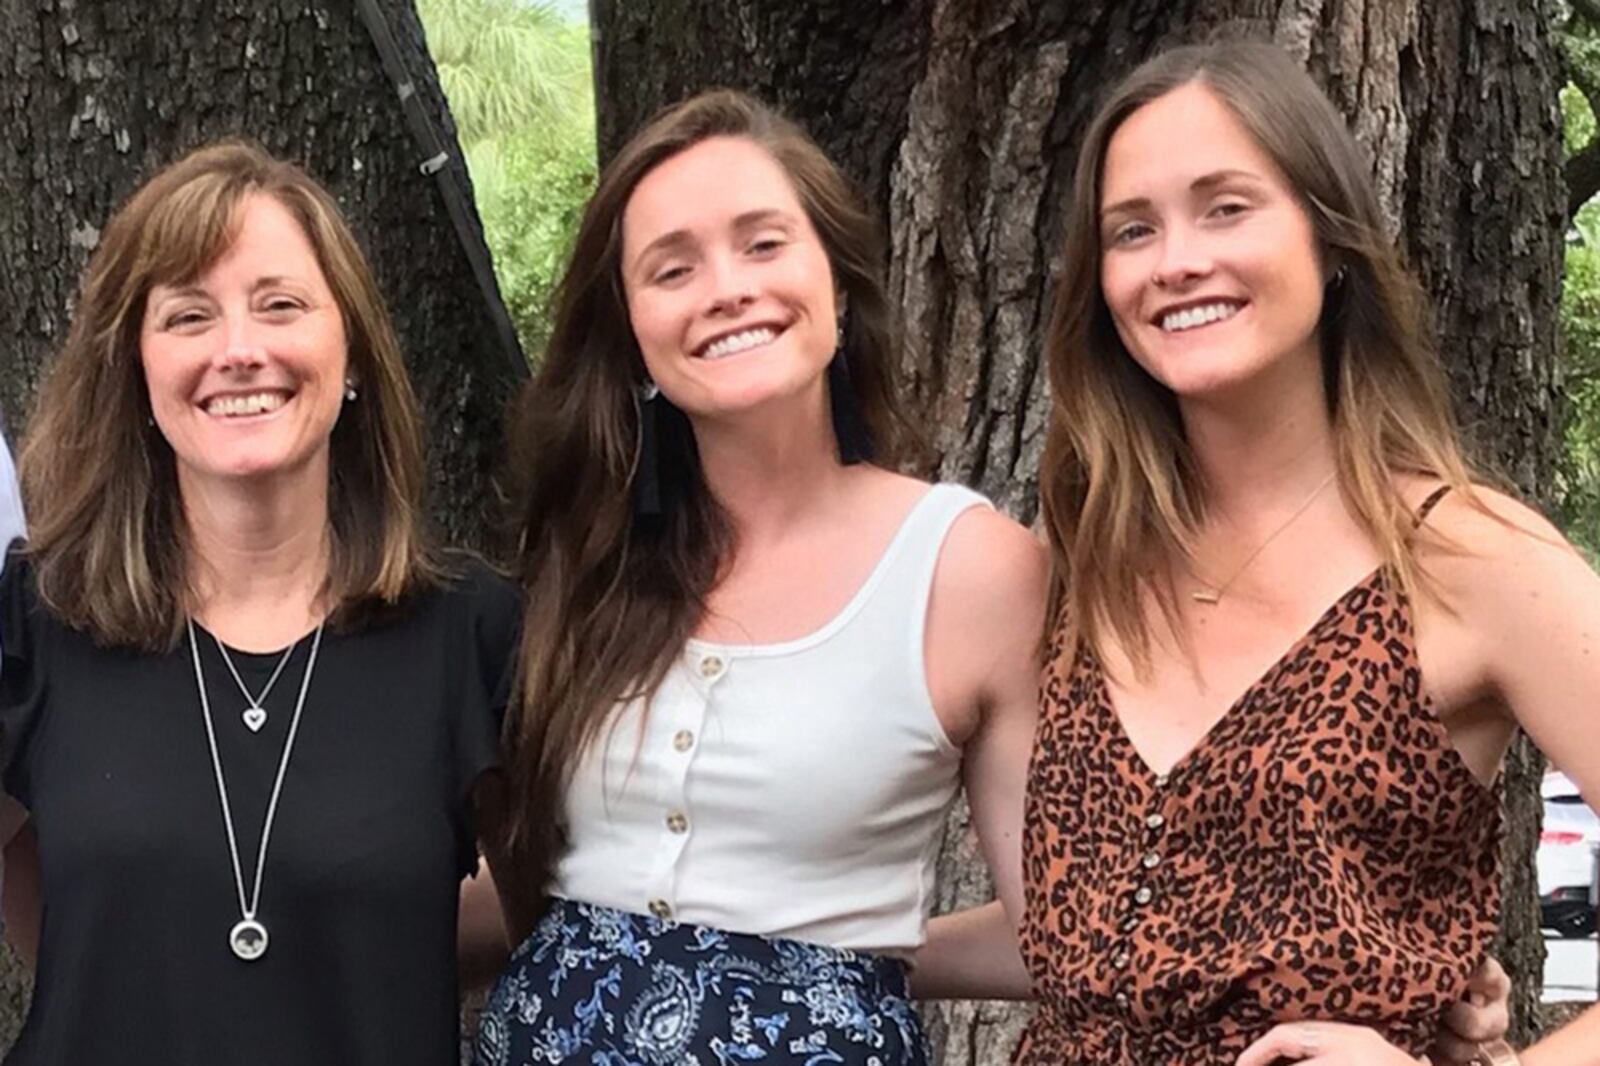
{"points": [[729, 398], [243, 468], [1197, 375]]}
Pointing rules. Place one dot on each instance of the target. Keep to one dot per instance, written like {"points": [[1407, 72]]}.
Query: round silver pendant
{"points": [[248, 940]]}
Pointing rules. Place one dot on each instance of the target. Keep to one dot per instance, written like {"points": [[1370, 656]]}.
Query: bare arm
{"points": [[971, 954], [482, 944], [1539, 605], [483, 939], [21, 894], [984, 625]]}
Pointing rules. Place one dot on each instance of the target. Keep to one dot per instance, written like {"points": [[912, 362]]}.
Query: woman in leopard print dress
{"points": [[1236, 852]]}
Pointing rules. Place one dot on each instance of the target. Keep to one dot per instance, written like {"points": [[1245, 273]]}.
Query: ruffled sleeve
{"points": [[493, 609], [22, 682]]}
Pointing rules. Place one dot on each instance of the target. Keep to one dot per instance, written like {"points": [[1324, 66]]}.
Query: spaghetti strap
{"points": [[1428, 504]]}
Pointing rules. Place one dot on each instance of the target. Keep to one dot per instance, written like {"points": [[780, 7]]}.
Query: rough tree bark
{"points": [[94, 96], [960, 119]]}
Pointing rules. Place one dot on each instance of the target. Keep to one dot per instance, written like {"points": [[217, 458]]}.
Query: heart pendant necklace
{"points": [[254, 713]]}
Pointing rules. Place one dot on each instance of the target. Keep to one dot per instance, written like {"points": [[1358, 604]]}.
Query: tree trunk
{"points": [[95, 96], [961, 117]]}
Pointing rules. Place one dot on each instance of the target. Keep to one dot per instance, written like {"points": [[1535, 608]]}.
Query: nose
{"points": [[732, 287], [1184, 258], [242, 349]]}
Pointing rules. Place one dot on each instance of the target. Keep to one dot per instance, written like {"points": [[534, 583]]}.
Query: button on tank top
{"points": [[793, 789]]}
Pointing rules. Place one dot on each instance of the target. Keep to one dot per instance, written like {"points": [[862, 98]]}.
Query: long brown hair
{"points": [[613, 595], [105, 521], [1120, 491]]}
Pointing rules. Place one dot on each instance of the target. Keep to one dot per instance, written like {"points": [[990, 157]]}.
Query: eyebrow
{"points": [[268, 282], [175, 292], [748, 220], [273, 281], [1203, 183]]}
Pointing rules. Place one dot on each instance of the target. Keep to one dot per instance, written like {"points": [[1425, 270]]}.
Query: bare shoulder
{"points": [[1493, 550], [1492, 528], [985, 622], [989, 558]]}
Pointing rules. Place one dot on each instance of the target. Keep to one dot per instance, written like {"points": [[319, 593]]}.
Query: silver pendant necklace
{"points": [[254, 714], [248, 938]]}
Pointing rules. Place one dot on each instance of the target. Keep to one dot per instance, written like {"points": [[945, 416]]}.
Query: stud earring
{"points": [[349, 390]]}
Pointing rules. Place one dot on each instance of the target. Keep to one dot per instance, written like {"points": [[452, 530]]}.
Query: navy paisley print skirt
{"points": [[604, 987]]}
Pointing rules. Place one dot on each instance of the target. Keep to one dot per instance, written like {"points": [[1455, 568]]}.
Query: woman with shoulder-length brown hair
{"points": [[242, 701], [756, 662], [1294, 628]]}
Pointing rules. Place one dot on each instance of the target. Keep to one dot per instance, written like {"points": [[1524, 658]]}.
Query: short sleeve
{"points": [[493, 608], [21, 681]]}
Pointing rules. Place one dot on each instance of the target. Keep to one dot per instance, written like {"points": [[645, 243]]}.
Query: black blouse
{"points": [[107, 749]]}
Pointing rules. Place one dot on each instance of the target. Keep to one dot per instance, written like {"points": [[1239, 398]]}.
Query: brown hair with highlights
{"points": [[613, 595], [105, 522], [1120, 492]]}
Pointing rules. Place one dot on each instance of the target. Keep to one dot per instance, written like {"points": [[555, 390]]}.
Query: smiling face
{"points": [[1209, 264], [729, 289], [246, 367]]}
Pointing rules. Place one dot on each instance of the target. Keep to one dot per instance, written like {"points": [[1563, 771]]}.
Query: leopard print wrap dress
{"points": [[1323, 852]]}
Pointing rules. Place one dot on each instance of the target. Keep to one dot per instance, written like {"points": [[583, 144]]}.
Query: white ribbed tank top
{"points": [[793, 789]]}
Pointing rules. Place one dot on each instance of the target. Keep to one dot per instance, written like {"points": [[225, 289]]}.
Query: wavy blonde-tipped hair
{"points": [[105, 522], [1120, 491]]}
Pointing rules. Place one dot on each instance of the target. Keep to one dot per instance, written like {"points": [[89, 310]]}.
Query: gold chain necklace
{"points": [[1212, 595]]}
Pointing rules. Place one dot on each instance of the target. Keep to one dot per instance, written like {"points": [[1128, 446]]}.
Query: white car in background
{"points": [[1567, 858]]}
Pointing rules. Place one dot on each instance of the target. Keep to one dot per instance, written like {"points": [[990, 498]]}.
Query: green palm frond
{"points": [[507, 66]]}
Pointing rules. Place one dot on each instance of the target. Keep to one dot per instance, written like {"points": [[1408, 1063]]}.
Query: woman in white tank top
{"points": [[757, 663]]}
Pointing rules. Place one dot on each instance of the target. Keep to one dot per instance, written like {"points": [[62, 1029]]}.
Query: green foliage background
{"points": [[517, 75], [1579, 471]]}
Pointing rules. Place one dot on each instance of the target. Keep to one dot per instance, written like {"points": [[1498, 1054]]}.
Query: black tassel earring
{"points": [[849, 428], [647, 464]]}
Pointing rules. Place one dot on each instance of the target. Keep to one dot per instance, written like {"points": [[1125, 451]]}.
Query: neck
{"points": [[1256, 454], [770, 468], [259, 554]]}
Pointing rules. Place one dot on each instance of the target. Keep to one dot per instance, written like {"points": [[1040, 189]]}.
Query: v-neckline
{"points": [[1231, 711]]}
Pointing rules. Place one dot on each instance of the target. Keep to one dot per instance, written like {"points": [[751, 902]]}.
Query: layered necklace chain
{"points": [[1211, 595], [248, 938]]}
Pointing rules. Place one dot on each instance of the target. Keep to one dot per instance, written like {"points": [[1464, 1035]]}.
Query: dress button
{"points": [[712, 667], [677, 822], [1151, 860], [1155, 821], [682, 740], [1120, 960], [1144, 895], [661, 908], [1130, 923], [1122, 1001], [1161, 780]]}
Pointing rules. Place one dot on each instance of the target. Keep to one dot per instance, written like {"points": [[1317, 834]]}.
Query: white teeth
{"points": [[1190, 317], [740, 342], [255, 403]]}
